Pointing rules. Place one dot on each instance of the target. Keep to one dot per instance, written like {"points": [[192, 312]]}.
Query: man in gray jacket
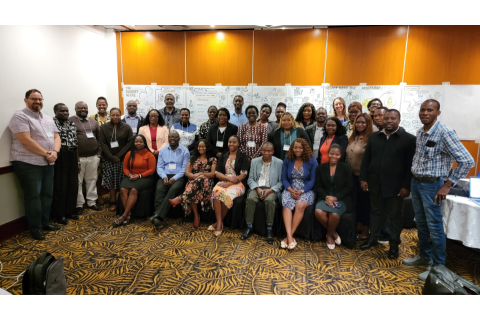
{"points": [[265, 182]]}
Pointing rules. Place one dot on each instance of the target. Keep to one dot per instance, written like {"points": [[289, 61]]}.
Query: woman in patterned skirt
{"points": [[232, 172], [298, 177], [200, 173], [115, 140], [252, 134]]}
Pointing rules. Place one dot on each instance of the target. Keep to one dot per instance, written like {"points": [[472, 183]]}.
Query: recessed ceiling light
{"points": [[212, 25], [283, 28]]}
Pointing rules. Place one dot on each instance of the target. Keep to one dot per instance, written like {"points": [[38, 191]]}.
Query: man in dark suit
{"points": [[385, 174], [134, 120]]}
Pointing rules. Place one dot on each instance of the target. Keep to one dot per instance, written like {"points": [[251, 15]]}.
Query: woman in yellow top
{"points": [[102, 116]]}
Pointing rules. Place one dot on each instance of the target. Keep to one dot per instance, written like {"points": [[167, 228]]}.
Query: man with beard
{"points": [[35, 147], [238, 117], [170, 114], [134, 120]]}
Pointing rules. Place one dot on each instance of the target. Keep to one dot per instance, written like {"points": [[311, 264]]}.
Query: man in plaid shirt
{"points": [[437, 148]]}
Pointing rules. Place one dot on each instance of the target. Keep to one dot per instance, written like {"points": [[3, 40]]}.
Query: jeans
{"points": [[428, 216], [37, 184]]}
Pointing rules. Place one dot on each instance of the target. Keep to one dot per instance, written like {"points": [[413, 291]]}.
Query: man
{"points": [[378, 117], [171, 166], [169, 113], [385, 174], [238, 117], [67, 168], [437, 148], [89, 154], [205, 127], [134, 120], [373, 105], [35, 145], [265, 182], [315, 131]]}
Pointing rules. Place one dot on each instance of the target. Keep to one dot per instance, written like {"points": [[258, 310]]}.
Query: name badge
{"points": [[172, 166], [286, 147], [220, 144], [316, 146], [50, 134], [114, 144], [261, 183], [90, 135], [251, 144], [134, 130]]}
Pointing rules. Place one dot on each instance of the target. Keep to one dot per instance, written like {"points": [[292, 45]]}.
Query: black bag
{"points": [[440, 280], [45, 276]]}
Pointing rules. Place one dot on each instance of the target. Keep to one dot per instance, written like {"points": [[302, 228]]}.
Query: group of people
{"points": [[348, 161]]}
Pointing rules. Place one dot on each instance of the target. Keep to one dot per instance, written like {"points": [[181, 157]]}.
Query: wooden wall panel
{"points": [[119, 72], [289, 56], [472, 147], [219, 57], [439, 54], [153, 57], [373, 55]]}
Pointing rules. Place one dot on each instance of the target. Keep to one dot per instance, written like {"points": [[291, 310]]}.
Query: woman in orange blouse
{"points": [[154, 131], [138, 167]]}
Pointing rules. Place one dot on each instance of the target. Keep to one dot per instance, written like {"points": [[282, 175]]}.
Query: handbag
{"points": [[442, 281]]}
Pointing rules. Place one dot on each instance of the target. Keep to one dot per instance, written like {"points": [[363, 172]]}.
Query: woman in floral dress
{"points": [[200, 173]]}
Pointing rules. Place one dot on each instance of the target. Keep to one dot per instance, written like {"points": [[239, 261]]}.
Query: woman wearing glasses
{"points": [[154, 131]]}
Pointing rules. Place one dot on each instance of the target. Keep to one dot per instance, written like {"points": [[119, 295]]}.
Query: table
{"points": [[461, 220], [464, 184]]}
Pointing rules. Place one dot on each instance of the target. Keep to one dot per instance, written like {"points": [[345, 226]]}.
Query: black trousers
{"points": [[65, 184], [381, 208], [163, 193], [361, 202]]}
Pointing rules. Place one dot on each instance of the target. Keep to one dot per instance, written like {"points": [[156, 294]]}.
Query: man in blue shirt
{"points": [[238, 117], [437, 148], [134, 120], [171, 166]]}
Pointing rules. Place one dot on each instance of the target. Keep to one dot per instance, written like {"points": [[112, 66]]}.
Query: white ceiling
{"points": [[207, 27]]}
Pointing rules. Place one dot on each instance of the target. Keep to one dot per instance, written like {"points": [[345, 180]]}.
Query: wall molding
{"points": [[5, 170], [13, 228]]}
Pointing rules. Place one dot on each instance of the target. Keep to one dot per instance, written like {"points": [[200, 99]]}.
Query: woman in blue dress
{"points": [[298, 177]]}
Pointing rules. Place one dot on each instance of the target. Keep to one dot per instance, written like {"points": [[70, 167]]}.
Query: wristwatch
{"points": [[140, 176], [55, 151]]}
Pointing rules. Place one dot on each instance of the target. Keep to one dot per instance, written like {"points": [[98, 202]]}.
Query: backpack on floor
{"points": [[45, 276], [440, 280]]}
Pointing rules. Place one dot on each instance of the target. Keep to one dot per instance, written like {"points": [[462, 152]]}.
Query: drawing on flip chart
{"points": [[412, 99]]}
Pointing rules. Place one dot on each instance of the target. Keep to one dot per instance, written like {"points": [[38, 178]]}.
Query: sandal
{"points": [[127, 220], [338, 241], [217, 233], [119, 222], [113, 206], [211, 228], [292, 245], [283, 244]]}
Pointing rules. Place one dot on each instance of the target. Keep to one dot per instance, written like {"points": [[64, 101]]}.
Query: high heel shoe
{"points": [[292, 245], [283, 244], [119, 222], [211, 228], [127, 220], [338, 241], [217, 233], [331, 246], [196, 224], [172, 203]]}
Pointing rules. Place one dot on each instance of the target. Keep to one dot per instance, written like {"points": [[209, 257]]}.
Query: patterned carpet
{"points": [[136, 259]]}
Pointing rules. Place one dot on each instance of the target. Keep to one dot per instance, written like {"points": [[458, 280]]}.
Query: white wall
{"points": [[67, 64]]}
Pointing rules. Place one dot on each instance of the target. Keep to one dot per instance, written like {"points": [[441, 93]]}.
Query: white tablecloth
{"points": [[461, 220]]}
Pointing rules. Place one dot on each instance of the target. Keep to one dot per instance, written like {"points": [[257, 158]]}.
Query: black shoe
{"points": [[369, 244], [72, 217], [393, 252], [51, 227], [384, 238], [246, 234], [37, 235], [94, 207], [270, 237], [62, 220], [79, 210], [417, 261], [157, 222]]}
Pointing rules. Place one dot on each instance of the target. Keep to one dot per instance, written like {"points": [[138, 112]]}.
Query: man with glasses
{"points": [[35, 145], [169, 113], [89, 152]]}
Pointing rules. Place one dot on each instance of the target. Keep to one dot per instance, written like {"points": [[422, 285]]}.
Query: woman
{"points": [[220, 133], [333, 133], [285, 134], [265, 112], [102, 116], [232, 172], [154, 131], [354, 109], [138, 169], [280, 111], [305, 115], [363, 125], [205, 127], [200, 173], [252, 134], [298, 178], [339, 109], [333, 182], [115, 140], [185, 129]]}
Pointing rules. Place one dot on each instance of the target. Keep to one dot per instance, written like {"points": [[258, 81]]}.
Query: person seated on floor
{"points": [[334, 185], [232, 171], [171, 166], [138, 167], [265, 182], [298, 178], [200, 173]]}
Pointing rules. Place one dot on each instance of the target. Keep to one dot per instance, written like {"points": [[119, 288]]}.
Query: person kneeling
{"points": [[265, 182], [171, 166], [334, 184], [138, 169]]}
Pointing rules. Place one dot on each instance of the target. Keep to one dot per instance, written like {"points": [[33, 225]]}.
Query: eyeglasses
{"points": [[36, 99]]}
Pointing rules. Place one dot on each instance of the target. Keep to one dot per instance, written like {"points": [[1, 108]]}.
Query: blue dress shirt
{"points": [[132, 122], [238, 119], [167, 156]]}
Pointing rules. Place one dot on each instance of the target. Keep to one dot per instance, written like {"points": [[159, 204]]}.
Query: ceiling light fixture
{"points": [[212, 25]]}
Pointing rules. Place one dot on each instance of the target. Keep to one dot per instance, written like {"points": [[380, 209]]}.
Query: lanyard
{"points": [[186, 127], [289, 137], [222, 133], [91, 130], [114, 133]]}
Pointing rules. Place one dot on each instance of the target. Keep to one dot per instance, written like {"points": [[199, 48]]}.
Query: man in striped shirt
{"points": [[437, 148]]}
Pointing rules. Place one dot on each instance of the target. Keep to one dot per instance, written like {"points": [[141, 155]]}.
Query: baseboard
{"points": [[13, 228]]}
